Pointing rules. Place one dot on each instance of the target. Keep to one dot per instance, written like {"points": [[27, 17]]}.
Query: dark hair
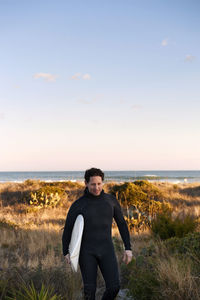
{"points": [[93, 172]]}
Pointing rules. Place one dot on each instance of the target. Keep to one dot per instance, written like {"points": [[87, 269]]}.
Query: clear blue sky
{"points": [[113, 84]]}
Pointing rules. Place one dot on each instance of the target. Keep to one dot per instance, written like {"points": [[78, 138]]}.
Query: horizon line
{"points": [[117, 170]]}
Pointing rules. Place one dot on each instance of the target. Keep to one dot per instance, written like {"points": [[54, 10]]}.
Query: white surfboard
{"points": [[75, 242]]}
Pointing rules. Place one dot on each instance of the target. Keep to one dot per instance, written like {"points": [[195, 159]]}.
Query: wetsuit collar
{"points": [[91, 196]]}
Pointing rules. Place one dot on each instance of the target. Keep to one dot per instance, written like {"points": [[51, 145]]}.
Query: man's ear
{"points": [[85, 183]]}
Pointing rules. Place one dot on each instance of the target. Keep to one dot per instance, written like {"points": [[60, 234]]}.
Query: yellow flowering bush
{"points": [[45, 197]]}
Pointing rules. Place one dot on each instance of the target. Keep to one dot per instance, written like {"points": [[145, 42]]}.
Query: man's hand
{"points": [[67, 258], [127, 256]]}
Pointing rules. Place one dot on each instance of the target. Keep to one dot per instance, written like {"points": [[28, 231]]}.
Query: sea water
{"points": [[118, 176]]}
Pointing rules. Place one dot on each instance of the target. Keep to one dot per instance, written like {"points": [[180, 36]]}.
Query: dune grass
{"points": [[31, 253]]}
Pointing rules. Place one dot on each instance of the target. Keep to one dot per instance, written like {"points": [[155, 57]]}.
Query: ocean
{"points": [[118, 176]]}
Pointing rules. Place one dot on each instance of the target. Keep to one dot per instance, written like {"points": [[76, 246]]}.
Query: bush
{"points": [[66, 185], [48, 196], [129, 193], [165, 270], [190, 245], [5, 291], [139, 277], [30, 293], [150, 189], [22, 283], [140, 199], [165, 226]]}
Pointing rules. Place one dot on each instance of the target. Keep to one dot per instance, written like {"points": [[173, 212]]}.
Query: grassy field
{"points": [[31, 246]]}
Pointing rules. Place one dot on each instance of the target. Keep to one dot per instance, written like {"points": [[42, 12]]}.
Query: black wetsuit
{"points": [[97, 246]]}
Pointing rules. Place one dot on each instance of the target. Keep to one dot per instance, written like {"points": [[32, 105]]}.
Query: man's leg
{"points": [[109, 269], [88, 266]]}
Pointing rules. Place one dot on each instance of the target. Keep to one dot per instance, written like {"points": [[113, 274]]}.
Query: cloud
{"points": [[45, 76], [164, 42], [189, 58], [78, 76], [86, 77], [135, 107]]}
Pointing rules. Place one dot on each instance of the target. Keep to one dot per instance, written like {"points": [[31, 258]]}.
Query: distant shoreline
{"points": [[185, 183], [174, 177]]}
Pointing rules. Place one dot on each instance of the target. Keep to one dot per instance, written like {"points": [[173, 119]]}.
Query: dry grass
{"points": [[30, 241], [183, 197], [32, 251], [41, 219], [176, 279]]}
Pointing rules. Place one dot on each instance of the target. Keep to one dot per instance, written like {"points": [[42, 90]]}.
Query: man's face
{"points": [[95, 185]]}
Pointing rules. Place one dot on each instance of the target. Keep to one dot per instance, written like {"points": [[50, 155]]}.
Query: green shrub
{"points": [[166, 270], [66, 185], [190, 245], [139, 277], [30, 182], [150, 189], [175, 187], [165, 226], [5, 290], [30, 293], [58, 281], [47, 196], [184, 225], [140, 201], [162, 226], [129, 193]]}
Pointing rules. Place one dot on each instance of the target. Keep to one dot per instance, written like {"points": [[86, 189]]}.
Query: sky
{"points": [[113, 84]]}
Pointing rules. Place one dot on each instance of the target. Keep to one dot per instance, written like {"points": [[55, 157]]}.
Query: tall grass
{"points": [[177, 282], [30, 248]]}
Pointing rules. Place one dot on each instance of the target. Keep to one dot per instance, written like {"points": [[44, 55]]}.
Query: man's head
{"points": [[94, 181]]}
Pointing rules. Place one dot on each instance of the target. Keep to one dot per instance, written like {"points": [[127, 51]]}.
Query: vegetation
{"points": [[48, 196], [165, 270], [166, 246], [29, 293], [142, 202], [166, 226]]}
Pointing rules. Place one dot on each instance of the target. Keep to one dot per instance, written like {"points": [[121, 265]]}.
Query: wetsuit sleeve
{"points": [[69, 223], [121, 223]]}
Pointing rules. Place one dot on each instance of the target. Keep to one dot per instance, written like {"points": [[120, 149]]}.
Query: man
{"points": [[98, 210]]}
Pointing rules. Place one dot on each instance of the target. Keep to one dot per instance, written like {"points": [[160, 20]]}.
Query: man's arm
{"points": [[123, 229], [121, 223]]}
